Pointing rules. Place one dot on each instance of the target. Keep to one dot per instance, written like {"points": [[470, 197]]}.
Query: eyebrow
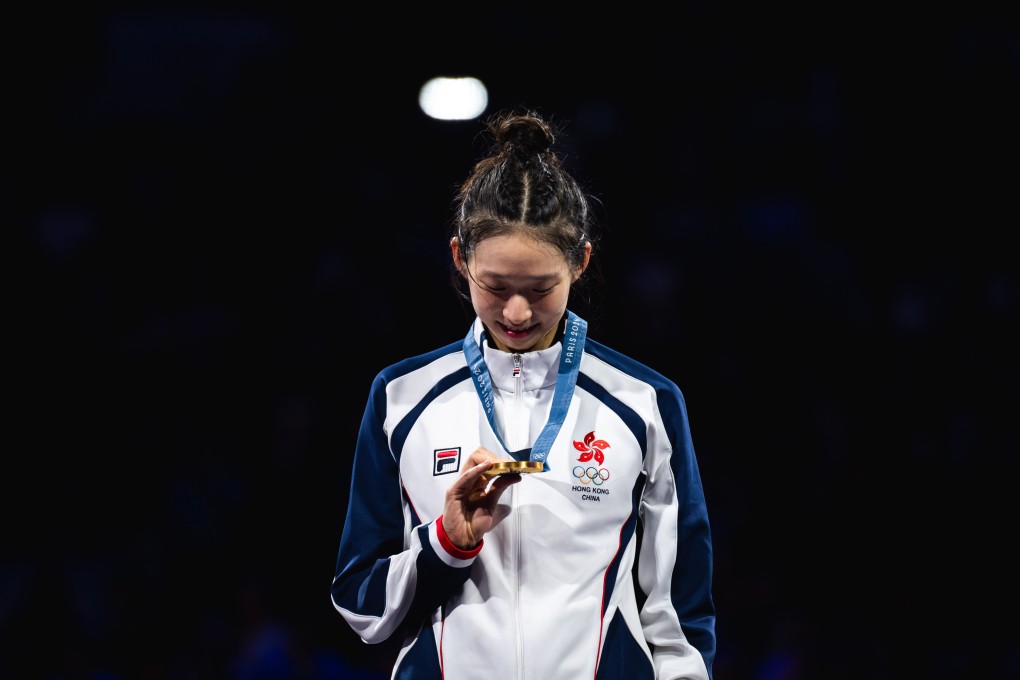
{"points": [[518, 277]]}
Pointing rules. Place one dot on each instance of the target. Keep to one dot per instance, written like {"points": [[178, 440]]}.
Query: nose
{"points": [[517, 310]]}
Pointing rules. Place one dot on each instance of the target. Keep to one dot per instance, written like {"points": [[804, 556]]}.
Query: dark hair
{"points": [[521, 187]]}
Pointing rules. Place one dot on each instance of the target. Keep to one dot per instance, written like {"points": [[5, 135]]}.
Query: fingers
{"points": [[474, 486], [482, 454], [494, 486], [486, 489], [470, 478], [470, 508], [480, 460], [502, 482]]}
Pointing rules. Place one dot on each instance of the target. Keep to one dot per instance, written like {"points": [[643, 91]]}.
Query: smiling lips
{"points": [[518, 332]]}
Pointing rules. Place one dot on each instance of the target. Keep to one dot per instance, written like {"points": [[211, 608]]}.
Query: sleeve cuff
{"points": [[453, 550]]}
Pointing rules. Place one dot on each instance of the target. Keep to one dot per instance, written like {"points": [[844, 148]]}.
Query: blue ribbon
{"points": [[566, 379]]}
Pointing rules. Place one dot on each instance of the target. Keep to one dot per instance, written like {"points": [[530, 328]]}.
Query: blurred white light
{"points": [[453, 98]]}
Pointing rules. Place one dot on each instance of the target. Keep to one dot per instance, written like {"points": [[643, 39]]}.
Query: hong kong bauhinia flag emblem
{"points": [[591, 448]]}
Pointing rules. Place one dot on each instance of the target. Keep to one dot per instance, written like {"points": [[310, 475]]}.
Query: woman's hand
{"points": [[471, 501]]}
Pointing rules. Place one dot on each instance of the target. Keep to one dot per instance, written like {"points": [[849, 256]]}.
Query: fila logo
{"points": [[446, 461]]}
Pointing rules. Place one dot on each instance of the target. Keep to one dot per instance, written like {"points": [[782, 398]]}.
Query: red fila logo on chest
{"points": [[445, 461]]}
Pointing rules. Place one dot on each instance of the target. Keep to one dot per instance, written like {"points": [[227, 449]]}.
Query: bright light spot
{"points": [[453, 98]]}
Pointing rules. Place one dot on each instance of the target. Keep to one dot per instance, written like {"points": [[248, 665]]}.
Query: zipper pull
{"points": [[517, 365]]}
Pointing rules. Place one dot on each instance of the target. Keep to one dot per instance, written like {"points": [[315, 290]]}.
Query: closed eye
{"points": [[503, 293], [496, 290]]}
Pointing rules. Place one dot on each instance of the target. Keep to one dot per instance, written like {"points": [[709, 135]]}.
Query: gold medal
{"points": [[515, 467]]}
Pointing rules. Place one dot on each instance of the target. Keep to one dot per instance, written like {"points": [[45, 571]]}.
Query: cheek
{"points": [[481, 299], [554, 302]]}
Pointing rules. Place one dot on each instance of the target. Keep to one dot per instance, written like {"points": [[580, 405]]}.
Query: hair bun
{"points": [[523, 136]]}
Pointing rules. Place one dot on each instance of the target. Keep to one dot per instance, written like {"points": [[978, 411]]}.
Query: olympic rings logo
{"points": [[591, 475]]}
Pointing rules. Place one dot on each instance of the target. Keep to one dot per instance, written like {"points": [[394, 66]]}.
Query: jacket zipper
{"points": [[517, 415], [518, 407]]}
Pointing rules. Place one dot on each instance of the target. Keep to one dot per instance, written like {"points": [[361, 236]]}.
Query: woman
{"points": [[526, 502]]}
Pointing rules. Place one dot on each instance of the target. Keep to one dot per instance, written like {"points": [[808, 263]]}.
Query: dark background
{"points": [[220, 222]]}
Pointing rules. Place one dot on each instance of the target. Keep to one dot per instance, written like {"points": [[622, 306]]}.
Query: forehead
{"points": [[518, 255]]}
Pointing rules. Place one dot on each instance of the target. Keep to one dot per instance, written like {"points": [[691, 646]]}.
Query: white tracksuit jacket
{"points": [[552, 593]]}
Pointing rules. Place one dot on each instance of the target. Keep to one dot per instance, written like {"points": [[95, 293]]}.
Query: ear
{"points": [[585, 261], [458, 258]]}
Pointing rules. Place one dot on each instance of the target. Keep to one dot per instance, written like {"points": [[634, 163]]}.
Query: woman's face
{"points": [[519, 289]]}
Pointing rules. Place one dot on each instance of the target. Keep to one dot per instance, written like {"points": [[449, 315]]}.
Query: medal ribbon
{"points": [[566, 379]]}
